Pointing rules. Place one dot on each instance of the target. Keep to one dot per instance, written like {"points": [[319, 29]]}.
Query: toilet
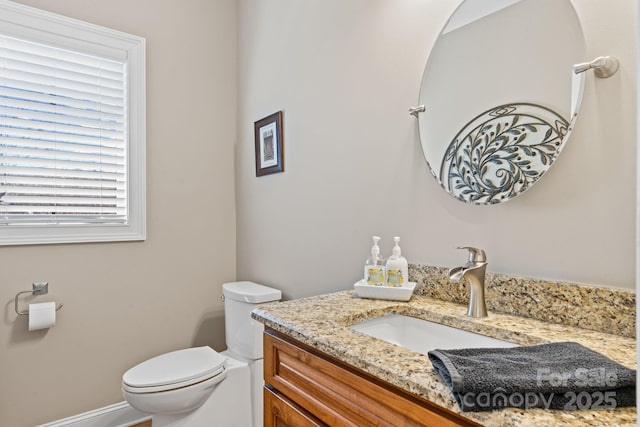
{"points": [[199, 387]]}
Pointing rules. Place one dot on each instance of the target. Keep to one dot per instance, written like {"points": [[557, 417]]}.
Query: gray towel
{"points": [[563, 375]]}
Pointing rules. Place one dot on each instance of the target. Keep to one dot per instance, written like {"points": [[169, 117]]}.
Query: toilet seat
{"points": [[174, 370]]}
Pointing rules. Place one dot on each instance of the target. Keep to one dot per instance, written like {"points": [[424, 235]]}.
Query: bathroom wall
{"points": [[125, 302], [344, 73]]}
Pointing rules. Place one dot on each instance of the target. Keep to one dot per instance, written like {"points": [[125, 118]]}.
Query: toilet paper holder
{"points": [[39, 288]]}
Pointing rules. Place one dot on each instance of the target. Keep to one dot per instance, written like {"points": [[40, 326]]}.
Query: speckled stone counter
{"points": [[323, 322], [588, 307]]}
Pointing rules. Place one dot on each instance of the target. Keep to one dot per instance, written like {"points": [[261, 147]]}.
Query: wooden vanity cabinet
{"points": [[304, 387], [281, 412]]}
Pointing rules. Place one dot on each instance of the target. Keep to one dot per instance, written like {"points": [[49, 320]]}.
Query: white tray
{"points": [[402, 293]]}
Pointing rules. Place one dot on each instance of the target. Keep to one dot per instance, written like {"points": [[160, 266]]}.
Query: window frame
{"points": [[36, 25]]}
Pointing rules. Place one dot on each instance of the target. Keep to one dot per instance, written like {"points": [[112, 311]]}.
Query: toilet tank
{"points": [[243, 334]]}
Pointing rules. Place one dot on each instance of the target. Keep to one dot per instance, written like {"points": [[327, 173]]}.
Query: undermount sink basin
{"points": [[423, 336]]}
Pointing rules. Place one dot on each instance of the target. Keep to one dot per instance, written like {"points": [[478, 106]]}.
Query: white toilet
{"points": [[198, 387]]}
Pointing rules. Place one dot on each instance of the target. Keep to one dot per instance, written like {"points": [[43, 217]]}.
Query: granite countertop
{"points": [[323, 322]]}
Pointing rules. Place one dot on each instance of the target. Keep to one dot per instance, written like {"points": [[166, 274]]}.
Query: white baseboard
{"points": [[116, 415]]}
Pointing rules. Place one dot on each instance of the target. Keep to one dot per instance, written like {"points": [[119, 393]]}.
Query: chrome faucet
{"points": [[474, 271]]}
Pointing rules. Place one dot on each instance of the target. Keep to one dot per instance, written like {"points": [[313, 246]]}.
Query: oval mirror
{"points": [[500, 96]]}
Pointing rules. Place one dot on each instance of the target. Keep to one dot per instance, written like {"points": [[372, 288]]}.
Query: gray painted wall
{"points": [[344, 73], [126, 302]]}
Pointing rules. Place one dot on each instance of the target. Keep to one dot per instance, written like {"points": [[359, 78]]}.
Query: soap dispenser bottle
{"points": [[397, 267], [374, 267]]}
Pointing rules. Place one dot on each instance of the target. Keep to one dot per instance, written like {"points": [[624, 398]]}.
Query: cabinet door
{"points": [[281, 412], [340, 396]]}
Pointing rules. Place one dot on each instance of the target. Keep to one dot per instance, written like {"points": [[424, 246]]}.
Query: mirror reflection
{"points": [[500, 96]]}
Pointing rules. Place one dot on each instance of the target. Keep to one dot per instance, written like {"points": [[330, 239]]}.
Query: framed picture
{"points": [[269, 145]]}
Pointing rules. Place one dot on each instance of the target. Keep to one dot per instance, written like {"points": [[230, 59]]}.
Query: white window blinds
{"points": [[63, 136]]}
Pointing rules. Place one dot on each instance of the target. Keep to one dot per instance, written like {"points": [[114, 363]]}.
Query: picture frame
{"points": [[269, 145]]}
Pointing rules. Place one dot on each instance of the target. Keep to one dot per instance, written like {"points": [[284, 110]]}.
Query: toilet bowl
{"points": [[175, 382], [198, 387]]}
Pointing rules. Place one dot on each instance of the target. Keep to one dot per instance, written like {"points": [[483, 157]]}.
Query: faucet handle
{"points": [[475, 254]]}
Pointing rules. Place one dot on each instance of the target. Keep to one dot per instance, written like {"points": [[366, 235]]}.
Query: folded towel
{"points": [[563, 375]]}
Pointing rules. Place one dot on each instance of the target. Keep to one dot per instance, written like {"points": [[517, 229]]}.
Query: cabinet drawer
{"points": [[339, 395], [281, 412]]}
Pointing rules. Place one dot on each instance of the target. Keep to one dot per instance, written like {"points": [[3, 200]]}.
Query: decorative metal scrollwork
{"points": [[502, 153]]}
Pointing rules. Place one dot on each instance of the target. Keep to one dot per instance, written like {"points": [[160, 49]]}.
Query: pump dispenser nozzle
{"points": [[375, 249], [396, 251]]}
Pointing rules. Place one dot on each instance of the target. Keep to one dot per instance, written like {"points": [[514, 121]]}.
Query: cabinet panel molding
{"points": [[340, 395]]}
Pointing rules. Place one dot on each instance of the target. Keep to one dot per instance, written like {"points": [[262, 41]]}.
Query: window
{"points": [[72, 130]]}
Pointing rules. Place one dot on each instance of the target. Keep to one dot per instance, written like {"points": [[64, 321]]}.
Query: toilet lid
{"points": [[175, 367], [250, 292]]}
